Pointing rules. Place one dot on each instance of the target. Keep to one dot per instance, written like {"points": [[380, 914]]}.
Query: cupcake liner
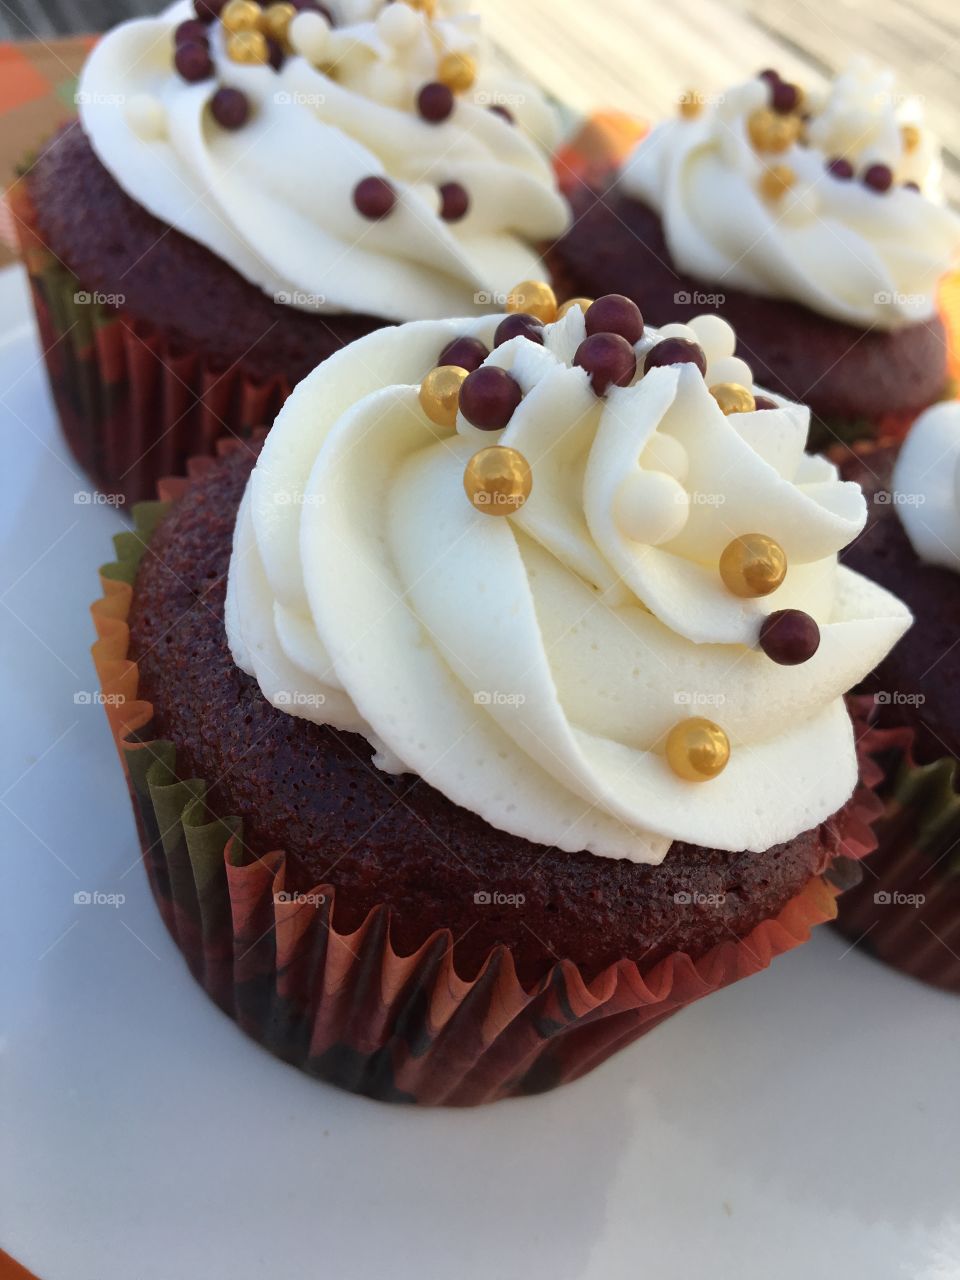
{"points": [[133, 404], [346, 1007], [906, 909]]}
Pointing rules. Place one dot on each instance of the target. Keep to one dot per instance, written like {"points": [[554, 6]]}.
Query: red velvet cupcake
{"points": [[485, 718], [250, 189], [906, 911], [809, 221]]}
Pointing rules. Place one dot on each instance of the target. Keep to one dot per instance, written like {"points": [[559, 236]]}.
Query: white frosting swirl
{"points": [[275, 197], [530, 666], [926, 485], [835, 246]]}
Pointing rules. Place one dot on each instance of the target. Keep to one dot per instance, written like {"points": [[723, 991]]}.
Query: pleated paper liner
{"points": [[133, 406], [907, 912], [346, 1007]]}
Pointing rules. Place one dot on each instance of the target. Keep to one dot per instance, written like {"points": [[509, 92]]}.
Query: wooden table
{"points": [[638, 56]]}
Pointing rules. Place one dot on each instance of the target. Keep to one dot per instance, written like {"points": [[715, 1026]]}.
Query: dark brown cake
{"points": [[375, 837], [918, 683], [616, 245], [168, 279]]}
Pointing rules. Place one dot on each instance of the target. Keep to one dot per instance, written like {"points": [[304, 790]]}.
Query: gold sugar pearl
{"points": [[697, 749], [691, 105], [498, 480], [770, 131], [275, 22], [240, 15], [583, 303], [776, 181], [440, 394], [733, 398], [428, 7], [910, 136], [534, 298], [248, 47], [457, 71], [753, 565]]}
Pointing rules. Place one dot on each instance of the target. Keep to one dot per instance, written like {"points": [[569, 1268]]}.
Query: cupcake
{"points": [[908, 911], [493, 710], [250, 189], [812, 222]]}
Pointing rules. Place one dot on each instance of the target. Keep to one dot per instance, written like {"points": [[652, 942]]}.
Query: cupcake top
{"points": [[588, 590], [830, 200], [926, 485], [358, 156]]}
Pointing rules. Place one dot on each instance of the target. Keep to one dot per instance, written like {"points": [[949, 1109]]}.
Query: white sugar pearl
{"points": [[715, 336], [310, 36], [398, 24], [729, 369], [678, 331], [651, 507], [146, 117], [666, 453]]}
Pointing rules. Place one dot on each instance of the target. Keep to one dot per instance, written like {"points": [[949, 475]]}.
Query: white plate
{"points": [[804, 1123]]}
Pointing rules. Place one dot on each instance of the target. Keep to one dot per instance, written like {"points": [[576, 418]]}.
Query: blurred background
{"points": [[637, 56]]}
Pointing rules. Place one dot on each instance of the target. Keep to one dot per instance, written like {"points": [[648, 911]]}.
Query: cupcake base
{"points": [[856, 383], [350, 1002], [154, 347]]}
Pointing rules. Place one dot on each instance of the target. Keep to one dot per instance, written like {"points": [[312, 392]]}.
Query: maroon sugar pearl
{"points": [[675, 351], [771, 76], [783, 97], [192, 30], [878, 177], [613, 313], [435, 102], [230, 108], [374, 197], [193, 62], [789, 637], [519, 325], [454, 202], [609, 360], [503, 113], [840, 168], [489, 397], [275, 54], [465, 353], [764, 402], [208, 10]]}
